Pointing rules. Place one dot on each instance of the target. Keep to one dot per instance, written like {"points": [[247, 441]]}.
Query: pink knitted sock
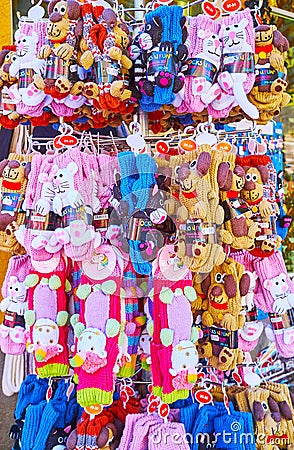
{"points": [[41, 221], [73, 185], [238, 76], [207, 53], [249, 335], [97, 331], [170, 339], [14, 305], [47, 318]]}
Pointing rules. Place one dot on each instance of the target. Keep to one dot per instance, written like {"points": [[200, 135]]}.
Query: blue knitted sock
{"points": [[229, 431], [128, 173], [31, 425], [32, 391], [53, 416]]}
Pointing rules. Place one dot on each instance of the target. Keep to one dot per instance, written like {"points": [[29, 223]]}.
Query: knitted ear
{"points": [[206, 284], [61, 318], [67, 286], [112, 327], [190, 293], [78, 329], [196, 334], [258, 411], [264, 173], [54, 282], [224, 176], [150, 327], [83, 291], [31, 280], [166, 295], [230, 286], [30, 317], [285, 410], [166, 336], [274, 409], [203, 163], [74, 320], [109, 287], [244, 284], [103, 437]]}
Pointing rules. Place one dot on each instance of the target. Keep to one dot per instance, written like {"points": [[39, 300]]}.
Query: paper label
{"points": [[238, 63], [198, 67], [101, 220], [162, 61], [55, 68], [224, 338], [267, 75], [69, 214], [37, 222], [11, 202], [197, 231], [283, 321], [107, 71], [138, 229], [26, 77], [7, 104]]}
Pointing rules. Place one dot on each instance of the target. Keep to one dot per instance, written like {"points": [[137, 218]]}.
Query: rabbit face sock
{"points": [[237, 78], [14, 173], [48, 321], [41, 220], [170, 339], [14, 305], [97, 332], [204, 64]]}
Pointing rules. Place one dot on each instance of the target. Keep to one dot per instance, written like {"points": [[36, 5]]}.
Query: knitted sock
{"points": [[170, 339], [31, 425], [41, 220], [169, 430], [128, 432], [81, 432], [73, 185], [233, 80], [32, 391], [207, 50], [13, 189], [249, 336], [48, 321], [128, 172], [141, 431], [14, 305], [134, 320], [97, 330]]}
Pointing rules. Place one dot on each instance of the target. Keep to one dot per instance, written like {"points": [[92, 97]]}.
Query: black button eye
{"points": [[227, 28], [236, 26]]}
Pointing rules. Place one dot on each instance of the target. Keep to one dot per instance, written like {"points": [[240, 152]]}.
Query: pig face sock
{"points": [[14, 173], [48, 321], [237, 78], [97, 331], [14, 305]]}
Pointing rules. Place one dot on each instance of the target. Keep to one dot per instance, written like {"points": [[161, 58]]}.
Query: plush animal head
{"points": [[60, 15], [265, 408], [184, 357], [212, 46], [92, 340], [57, 438], [122, 39], [6, 59], [223, 288], [264, 35], [234, 36], [16, 291], [106, 436], [277, 286], [26, 45], [14, 171], [144, 343], [255, 178], [63, 179], [189, 173], [151, 35], [45, 338]]}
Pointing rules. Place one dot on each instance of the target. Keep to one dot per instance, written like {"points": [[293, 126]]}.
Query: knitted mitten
{"points": [[47, 320], [173, 353], [277, 299], [203, 64], [13, 182], [98, 336], [237, 78], [14, 305]]}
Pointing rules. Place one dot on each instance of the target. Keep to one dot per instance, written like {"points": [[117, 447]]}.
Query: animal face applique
{"points": [[237, 76], [185, 358], [6, 59], [280, 291], [45, 337], [91, 354]]}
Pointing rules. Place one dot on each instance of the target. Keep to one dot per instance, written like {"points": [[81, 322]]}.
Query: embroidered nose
{"points": [[216, 43], [57, 182], [284, 288], [20, 47], [232, 35], [56, 17], [216, 291], [249, 186]]}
